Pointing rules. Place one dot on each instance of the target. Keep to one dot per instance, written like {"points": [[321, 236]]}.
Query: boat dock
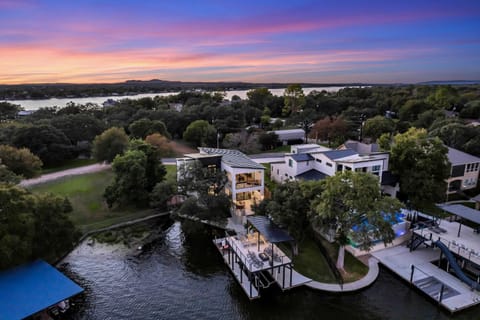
{"points": [[256, 261], [418, 263]]}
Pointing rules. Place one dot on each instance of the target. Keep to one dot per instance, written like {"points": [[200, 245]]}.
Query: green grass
{"points": [[354, 268], [281, 149], [432, 209], [85, 192], [311, 263], [171, 173], [75, 163]]}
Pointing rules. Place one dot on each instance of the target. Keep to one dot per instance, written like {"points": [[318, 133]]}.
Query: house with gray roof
{"points": [[464, 171], [307, 162], [245, 177]]}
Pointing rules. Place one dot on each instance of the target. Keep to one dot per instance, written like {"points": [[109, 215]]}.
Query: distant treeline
{"points": [[67, 90]]}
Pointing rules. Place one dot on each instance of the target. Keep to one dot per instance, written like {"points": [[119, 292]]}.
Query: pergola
{"points": [[270, 231], [463, 212]]}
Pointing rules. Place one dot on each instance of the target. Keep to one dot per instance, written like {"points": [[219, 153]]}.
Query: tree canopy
{"points": [[45, 141], [350, 198], [136, 174], [33, 226], [20, 161], [144, 127], [421, 163], [110, 143], [200, 133]]}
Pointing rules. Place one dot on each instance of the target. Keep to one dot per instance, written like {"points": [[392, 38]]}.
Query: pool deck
{"points": [[427, 277]]}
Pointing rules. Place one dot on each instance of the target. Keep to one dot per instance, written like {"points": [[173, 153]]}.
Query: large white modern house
{"points": [[463, 172], [245, 176], [314, 162]]}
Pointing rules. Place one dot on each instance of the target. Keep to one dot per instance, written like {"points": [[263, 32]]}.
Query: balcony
{"points": [[248, 184]]}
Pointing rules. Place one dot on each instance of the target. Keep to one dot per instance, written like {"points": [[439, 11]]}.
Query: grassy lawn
{"points": [[75, 163], [281, 149], [171, 172], [85, 193], [354, 268], [311, 263], [432, 209]]}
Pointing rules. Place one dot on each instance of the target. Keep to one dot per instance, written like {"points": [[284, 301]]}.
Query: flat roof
{"points": [[462, 211], [268, 229], [31, 288]]}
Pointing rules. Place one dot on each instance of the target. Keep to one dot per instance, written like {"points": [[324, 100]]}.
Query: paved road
{"points": [[259, 158], [69, 172]]}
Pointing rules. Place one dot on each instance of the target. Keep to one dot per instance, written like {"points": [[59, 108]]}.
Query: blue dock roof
{"points": [[33, 287]]}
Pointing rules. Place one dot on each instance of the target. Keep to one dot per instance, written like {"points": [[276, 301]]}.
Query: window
{"points": [[472, 167], [339, 167], [375, 168], [278, 171], [348, 169], [318, 160], [328, 164], [290, 163]]}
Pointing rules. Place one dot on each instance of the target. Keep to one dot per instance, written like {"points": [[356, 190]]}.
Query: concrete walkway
{"points": [[370, 277], [65, 173]]}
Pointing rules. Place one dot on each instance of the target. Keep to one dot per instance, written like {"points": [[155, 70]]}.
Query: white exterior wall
{"points": [[322, 166], [234, 171], [277, 172]]}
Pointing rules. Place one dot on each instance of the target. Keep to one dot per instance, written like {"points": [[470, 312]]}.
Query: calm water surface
{"points": [[62, 102], [182, 276]]}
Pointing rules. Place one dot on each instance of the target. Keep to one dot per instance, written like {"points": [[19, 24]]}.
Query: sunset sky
{"points": [[259, 41]]}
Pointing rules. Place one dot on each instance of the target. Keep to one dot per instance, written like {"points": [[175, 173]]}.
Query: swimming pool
{"points": [[397, 220]]}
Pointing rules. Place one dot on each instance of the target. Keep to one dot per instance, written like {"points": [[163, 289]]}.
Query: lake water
{"points": [[62, 102], [182, 276]]}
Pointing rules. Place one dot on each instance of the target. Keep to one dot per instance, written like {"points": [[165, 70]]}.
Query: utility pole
{"points": [[362, 122]]}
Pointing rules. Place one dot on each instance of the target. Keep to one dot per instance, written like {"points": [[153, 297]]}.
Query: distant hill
{"points": [[451, 82]]}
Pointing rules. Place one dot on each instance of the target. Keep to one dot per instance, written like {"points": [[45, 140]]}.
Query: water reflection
{"points": [[179, 275]]}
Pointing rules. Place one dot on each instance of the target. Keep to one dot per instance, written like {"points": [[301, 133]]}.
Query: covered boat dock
{"points": [[31, 288], [255, 259]]}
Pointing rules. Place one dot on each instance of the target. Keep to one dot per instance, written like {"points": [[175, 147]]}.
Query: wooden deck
{"points": [[241, 255], [239, 274], [249, 252]]}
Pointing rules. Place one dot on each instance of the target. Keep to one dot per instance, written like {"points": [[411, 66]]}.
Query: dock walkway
{"points": [[367, 280], [427, 275]]}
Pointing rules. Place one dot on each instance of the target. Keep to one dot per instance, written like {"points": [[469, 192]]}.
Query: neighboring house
{"points": [[245, 183], [313, 162], [290, 136], [463, 171]]}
